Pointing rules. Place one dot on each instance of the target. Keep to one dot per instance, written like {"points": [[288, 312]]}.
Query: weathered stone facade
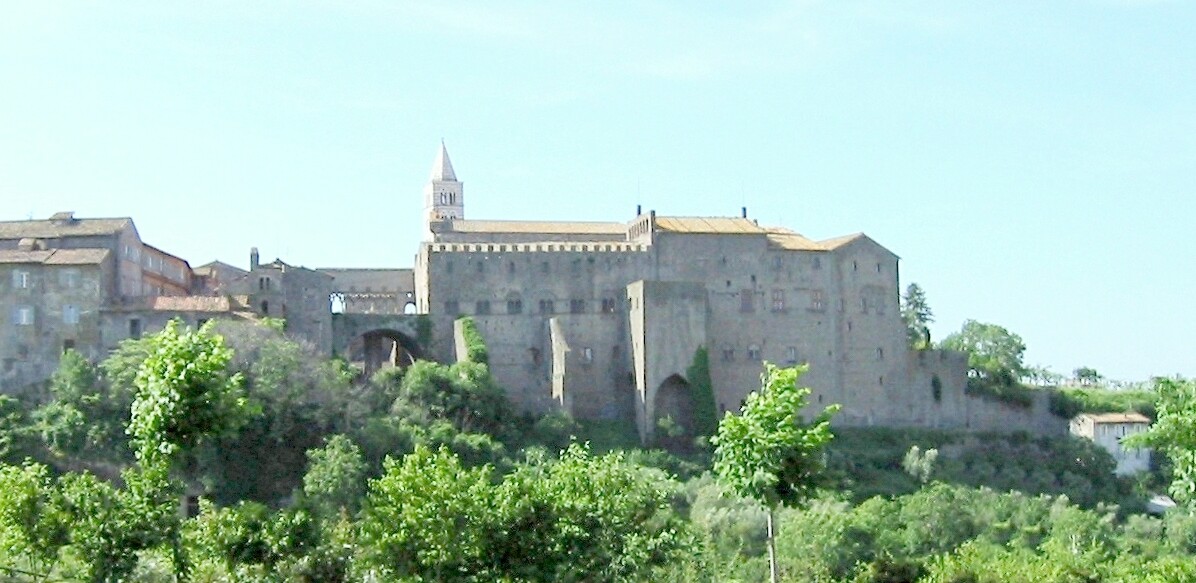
{"points": [[599, 319]]}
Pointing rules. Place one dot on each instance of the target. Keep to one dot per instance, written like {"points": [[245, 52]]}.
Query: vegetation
{"points": [[766, 453], [1174, 434], [705, 410], [916, 313], [1067, 402], [426, 473], [475, 345]]}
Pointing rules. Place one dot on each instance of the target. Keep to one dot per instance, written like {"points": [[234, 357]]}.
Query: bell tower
{"points": [[444, 194]]}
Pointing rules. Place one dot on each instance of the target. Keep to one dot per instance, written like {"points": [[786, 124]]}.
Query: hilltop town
{"points": [[601, 320]]}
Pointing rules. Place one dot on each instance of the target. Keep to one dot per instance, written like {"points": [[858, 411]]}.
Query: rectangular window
{"points": [[70, 314], [778, 300], [514, 306], [21, 279], [747, 300], [728, 354], [546, 307], [817, 300], [587, 354], [482, 307], [791, 355], [69, 278], [577, 306], [452, 308], [135, 328], [68, 344], [608, 305], [23, 316]]}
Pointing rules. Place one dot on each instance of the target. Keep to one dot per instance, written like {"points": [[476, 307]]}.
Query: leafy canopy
{"points": [[184, 392], [994, 353], [766, 452], [1174, 434]]}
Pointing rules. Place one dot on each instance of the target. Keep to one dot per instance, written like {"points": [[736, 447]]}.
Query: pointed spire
{"points": [[442, 169]]}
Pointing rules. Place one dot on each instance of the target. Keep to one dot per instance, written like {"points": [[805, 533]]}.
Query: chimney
{"points": [[639, 209], [253, 258], [743, 212]]}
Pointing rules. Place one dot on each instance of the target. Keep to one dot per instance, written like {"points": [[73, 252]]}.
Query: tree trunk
{"points": [[773, 570]]}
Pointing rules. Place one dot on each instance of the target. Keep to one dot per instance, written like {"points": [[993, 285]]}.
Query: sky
{"points": [[1031, 162]]}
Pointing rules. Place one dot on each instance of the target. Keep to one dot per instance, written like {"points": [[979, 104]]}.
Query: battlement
{"points": [[562, 247]]}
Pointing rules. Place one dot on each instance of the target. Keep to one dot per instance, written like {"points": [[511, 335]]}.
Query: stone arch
{"points": [[381, 348], [674, 412]]}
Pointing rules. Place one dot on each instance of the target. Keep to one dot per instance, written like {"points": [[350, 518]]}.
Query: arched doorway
{"points": [[378, 349], [674, 407]]}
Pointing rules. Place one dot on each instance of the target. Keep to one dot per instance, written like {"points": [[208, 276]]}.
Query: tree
{"points": [[1087, 375], [994, 353], [184, 392], [428, 518], [917, 315], [1174, 434], [32, 523], [86, 418], [767, 452], [335, 478]]}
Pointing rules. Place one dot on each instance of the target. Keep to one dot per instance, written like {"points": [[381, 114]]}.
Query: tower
{"points": [[444, 194]]}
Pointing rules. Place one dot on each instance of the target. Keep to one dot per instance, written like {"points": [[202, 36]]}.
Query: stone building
{"points": [[61, 281], [1108, 430], [603, 319], [599, 319]]}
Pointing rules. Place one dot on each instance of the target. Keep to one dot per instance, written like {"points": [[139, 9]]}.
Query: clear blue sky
{"points": [[1032, 162]]}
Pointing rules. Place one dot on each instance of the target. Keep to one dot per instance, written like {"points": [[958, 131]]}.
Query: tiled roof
{"points": [[540, 227], [736, 225], [837, 242], [77, 256], [55, 256], [785, 239], [209, 268], [190, 304], [1116, 417], [46, 229]]}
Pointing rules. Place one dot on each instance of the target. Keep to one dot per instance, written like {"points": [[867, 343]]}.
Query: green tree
{"points": [[463, 394], [994, 353], [335, 478], [428, 518], [32, 523], [184, 392], [86, 418], [767, 452], [917, 315], [1086, 375], [109, 526], [585, 517], [1174, 434]]}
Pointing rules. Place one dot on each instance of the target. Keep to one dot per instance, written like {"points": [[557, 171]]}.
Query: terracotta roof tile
{"points": [[190, 304], [1116, 417], [734, 225], [45, 229]]}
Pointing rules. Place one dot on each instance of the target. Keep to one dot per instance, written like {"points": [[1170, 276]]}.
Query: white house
{"points": [[1108, 430]]}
